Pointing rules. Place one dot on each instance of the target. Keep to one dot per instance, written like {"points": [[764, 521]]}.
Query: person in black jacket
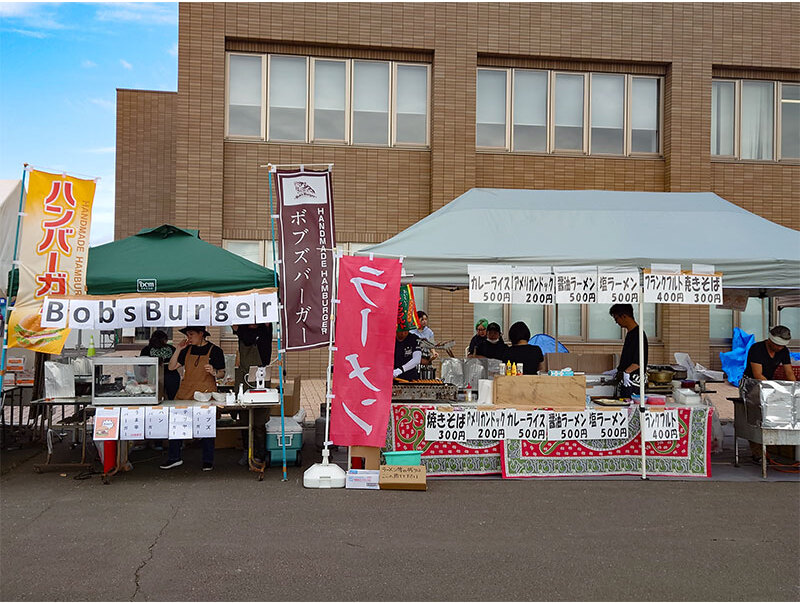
{"points": [[158, 347], [521, 351], [628, 368], [493, 346]]}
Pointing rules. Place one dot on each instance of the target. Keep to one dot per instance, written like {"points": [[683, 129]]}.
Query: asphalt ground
{"points": [[185, 535]]}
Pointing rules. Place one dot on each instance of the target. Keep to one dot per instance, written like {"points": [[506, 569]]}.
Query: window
{"points": [[597, 113], [306, 99], [530, 110], [411, 105], [750, 320], [287, 98], [491, 108], [790, 121], [244, 95], [330, 100], [608, 114], [755, 120], [370, 102]]}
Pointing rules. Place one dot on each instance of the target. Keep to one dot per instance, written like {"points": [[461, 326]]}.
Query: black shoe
{"points": [[171, 464], [207, 466]]}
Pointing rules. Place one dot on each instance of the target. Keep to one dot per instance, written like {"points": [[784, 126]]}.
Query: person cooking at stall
{"points": [[493, 346], [628, 380], [425, 332], [763, 360], [521, 351], [480, 335], [764, 357], [407, 355], [203, 362]]}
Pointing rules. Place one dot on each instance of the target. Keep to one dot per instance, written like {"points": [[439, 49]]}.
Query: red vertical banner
{"points": [[306, 233], [366, 322]]}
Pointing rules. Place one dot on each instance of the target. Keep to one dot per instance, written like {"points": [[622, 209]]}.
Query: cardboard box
{"points": [[15, 365], [528, 392], [403, 477], [228, 438], [593, 364], [370, 454], [362, 479]]}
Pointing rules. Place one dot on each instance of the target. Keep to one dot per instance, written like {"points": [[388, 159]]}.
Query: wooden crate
{"points": [[526, 392]]}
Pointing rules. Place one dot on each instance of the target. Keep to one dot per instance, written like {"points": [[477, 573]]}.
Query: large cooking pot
{"points": [[660, 377]]}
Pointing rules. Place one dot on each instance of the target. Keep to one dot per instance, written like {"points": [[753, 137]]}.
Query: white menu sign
{"points": [[533, 285], [617, 287], [577, 286], [683, 288], [156, 422], [204, 422], [131, 423], [490, 284], [180, 423], [660, 426]]}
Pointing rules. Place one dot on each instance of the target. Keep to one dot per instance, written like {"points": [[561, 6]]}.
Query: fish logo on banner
{"points": [[307, 237], [365, 336], [54, 250]]}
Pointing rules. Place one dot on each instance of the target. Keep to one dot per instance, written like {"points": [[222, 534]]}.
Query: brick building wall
{"points": [[220, 188]]}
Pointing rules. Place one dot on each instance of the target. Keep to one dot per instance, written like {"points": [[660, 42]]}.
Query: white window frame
{"points": [[228, 97], [393, 105], [779, 122], [777, 93], [261, 250], [550, 129], [629, 152], [347, 100], [269, 70], [351, 94]]}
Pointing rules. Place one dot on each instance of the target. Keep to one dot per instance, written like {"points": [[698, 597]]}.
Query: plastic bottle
{"points": [[90, 351], [508, 367], [469, 392], [514, 369]]}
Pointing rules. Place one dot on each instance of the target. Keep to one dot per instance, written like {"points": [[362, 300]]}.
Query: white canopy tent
{"points": [[604, 228]]}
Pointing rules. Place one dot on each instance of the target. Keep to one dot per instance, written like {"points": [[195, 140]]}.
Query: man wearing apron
{"points": [[202, 362], [628, 369]]}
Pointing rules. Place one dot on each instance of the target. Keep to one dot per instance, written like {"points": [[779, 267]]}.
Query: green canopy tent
{"points": [[173, 260]]}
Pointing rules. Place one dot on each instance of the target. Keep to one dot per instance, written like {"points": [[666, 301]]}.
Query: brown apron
{"points": [[195, 377]]}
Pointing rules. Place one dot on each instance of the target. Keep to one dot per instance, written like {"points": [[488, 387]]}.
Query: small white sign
{"points": [[568, 426], [132, 426], [617, 287], [204, 422], [180, 423], [156, 422], [531, 285], [530, 425], [608, 424], [490, 284], [661, 426], [703, 289], [684, 288], [577, 286]]}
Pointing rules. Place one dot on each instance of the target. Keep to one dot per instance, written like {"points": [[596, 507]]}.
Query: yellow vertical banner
{"points": [[53, 255]]}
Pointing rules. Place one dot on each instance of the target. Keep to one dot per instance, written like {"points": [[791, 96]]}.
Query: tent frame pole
{"points": [[642, 373], [7, 309], [280, 330]]}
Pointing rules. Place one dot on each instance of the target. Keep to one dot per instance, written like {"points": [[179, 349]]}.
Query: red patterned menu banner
{"points": [[366, 322], [305, 205]]}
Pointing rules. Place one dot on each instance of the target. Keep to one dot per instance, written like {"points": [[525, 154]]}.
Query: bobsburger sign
{"points": [[86, 312]]}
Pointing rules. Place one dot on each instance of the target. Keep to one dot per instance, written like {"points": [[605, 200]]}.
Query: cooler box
{"points": [[294, 441]]}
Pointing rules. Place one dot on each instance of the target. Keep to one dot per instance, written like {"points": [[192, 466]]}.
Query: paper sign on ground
{"points": [[132, 423], [106, 423]]}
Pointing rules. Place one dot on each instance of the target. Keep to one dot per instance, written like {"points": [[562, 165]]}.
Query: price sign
{"points": [[533, 286], [490, 284], [156, 422], [445, 426], [618, 287], [607, 425], [703, 289], [106, 423], [568, 426], [578, 287], [204, 421], [131, 423], [529, 425], [660, 426], [180, 423]]}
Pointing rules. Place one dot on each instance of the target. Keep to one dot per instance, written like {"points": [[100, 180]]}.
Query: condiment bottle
{"points": [[514, 369], [508, 367]]}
